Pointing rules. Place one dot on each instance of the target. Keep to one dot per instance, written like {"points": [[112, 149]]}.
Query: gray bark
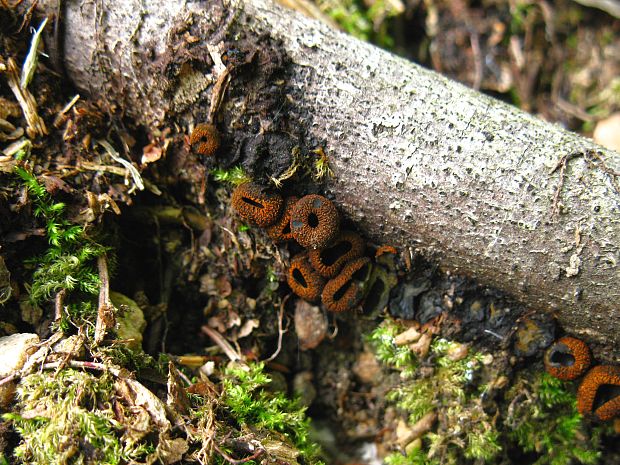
{"points": [[420, 161]]}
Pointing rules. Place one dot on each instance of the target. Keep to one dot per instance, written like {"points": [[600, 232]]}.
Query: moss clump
{"points": [[68, 417], [399, 357], [415, 457], [244, 394], [474, 421], [369, 22], [68, 263], [234, 176], [241, 410], [464, 430], [544, 419]]}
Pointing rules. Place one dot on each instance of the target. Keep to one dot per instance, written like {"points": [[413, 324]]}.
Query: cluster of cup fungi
{"points": [[598, 395], [333, 268]]}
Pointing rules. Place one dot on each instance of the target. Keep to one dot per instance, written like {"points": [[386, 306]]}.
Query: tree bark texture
{"points": [[420, 161]]}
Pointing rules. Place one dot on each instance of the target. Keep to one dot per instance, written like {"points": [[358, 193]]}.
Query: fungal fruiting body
{"points": [[304, 280], [599, 392], [330, 260], [205, 139], [385, 249], [255, 205], [346, 290], [314, 221], [567, 358], [280, 231]]}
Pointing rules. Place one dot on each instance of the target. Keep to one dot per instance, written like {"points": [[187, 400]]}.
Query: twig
{"points": [[62, 363], [36, 125], [229, 459], [84, 365], [223, 344], [105, 310], [221, 84], [474, 40], [61, 118], [184, 377], [281, 330], [9, 378], [58, 304], [137, 179]]}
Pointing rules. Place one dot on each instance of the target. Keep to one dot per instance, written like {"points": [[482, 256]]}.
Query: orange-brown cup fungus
{"points": [[384, 249], [568, 358], [280, 231], [330, 260], [255, 205], [346, 290], [599, 392], [314, 221], [205, 139], [304, 280]]}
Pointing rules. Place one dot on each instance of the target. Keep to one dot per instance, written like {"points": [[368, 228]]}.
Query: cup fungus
{"points": [[280, 231], [330, 260], [304, 280], [205, 139], [255, 205], [568, 358], [599, 392], [314, 221], [346, 290]]}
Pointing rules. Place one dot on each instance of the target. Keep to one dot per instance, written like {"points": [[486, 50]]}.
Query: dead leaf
{"points": [[137, 395], [407, 337], [223, 286], [423, 345], [177, 395], [171, 450], [247, 328], [151, 153]]}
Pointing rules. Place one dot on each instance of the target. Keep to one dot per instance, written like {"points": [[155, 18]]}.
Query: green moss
{"points": [[79, 314], [382, 342], [69, 263], [446, 387], [133, 359], [250, 404], [68, 417], [369, 23], [234, 176], [545, 420], [416, 457]]}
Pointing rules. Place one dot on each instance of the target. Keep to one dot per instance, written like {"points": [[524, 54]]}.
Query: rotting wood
{"points": [[420, 161]]}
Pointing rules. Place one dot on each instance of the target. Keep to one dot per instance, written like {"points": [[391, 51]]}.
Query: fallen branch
{"points": [[419, 161]]}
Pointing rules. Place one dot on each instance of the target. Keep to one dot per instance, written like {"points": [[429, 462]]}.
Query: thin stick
{"points": [[223, 344], [72, 364], [229, 459], [58, 304], [281, 330], [36, 125], [105, 311]]}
